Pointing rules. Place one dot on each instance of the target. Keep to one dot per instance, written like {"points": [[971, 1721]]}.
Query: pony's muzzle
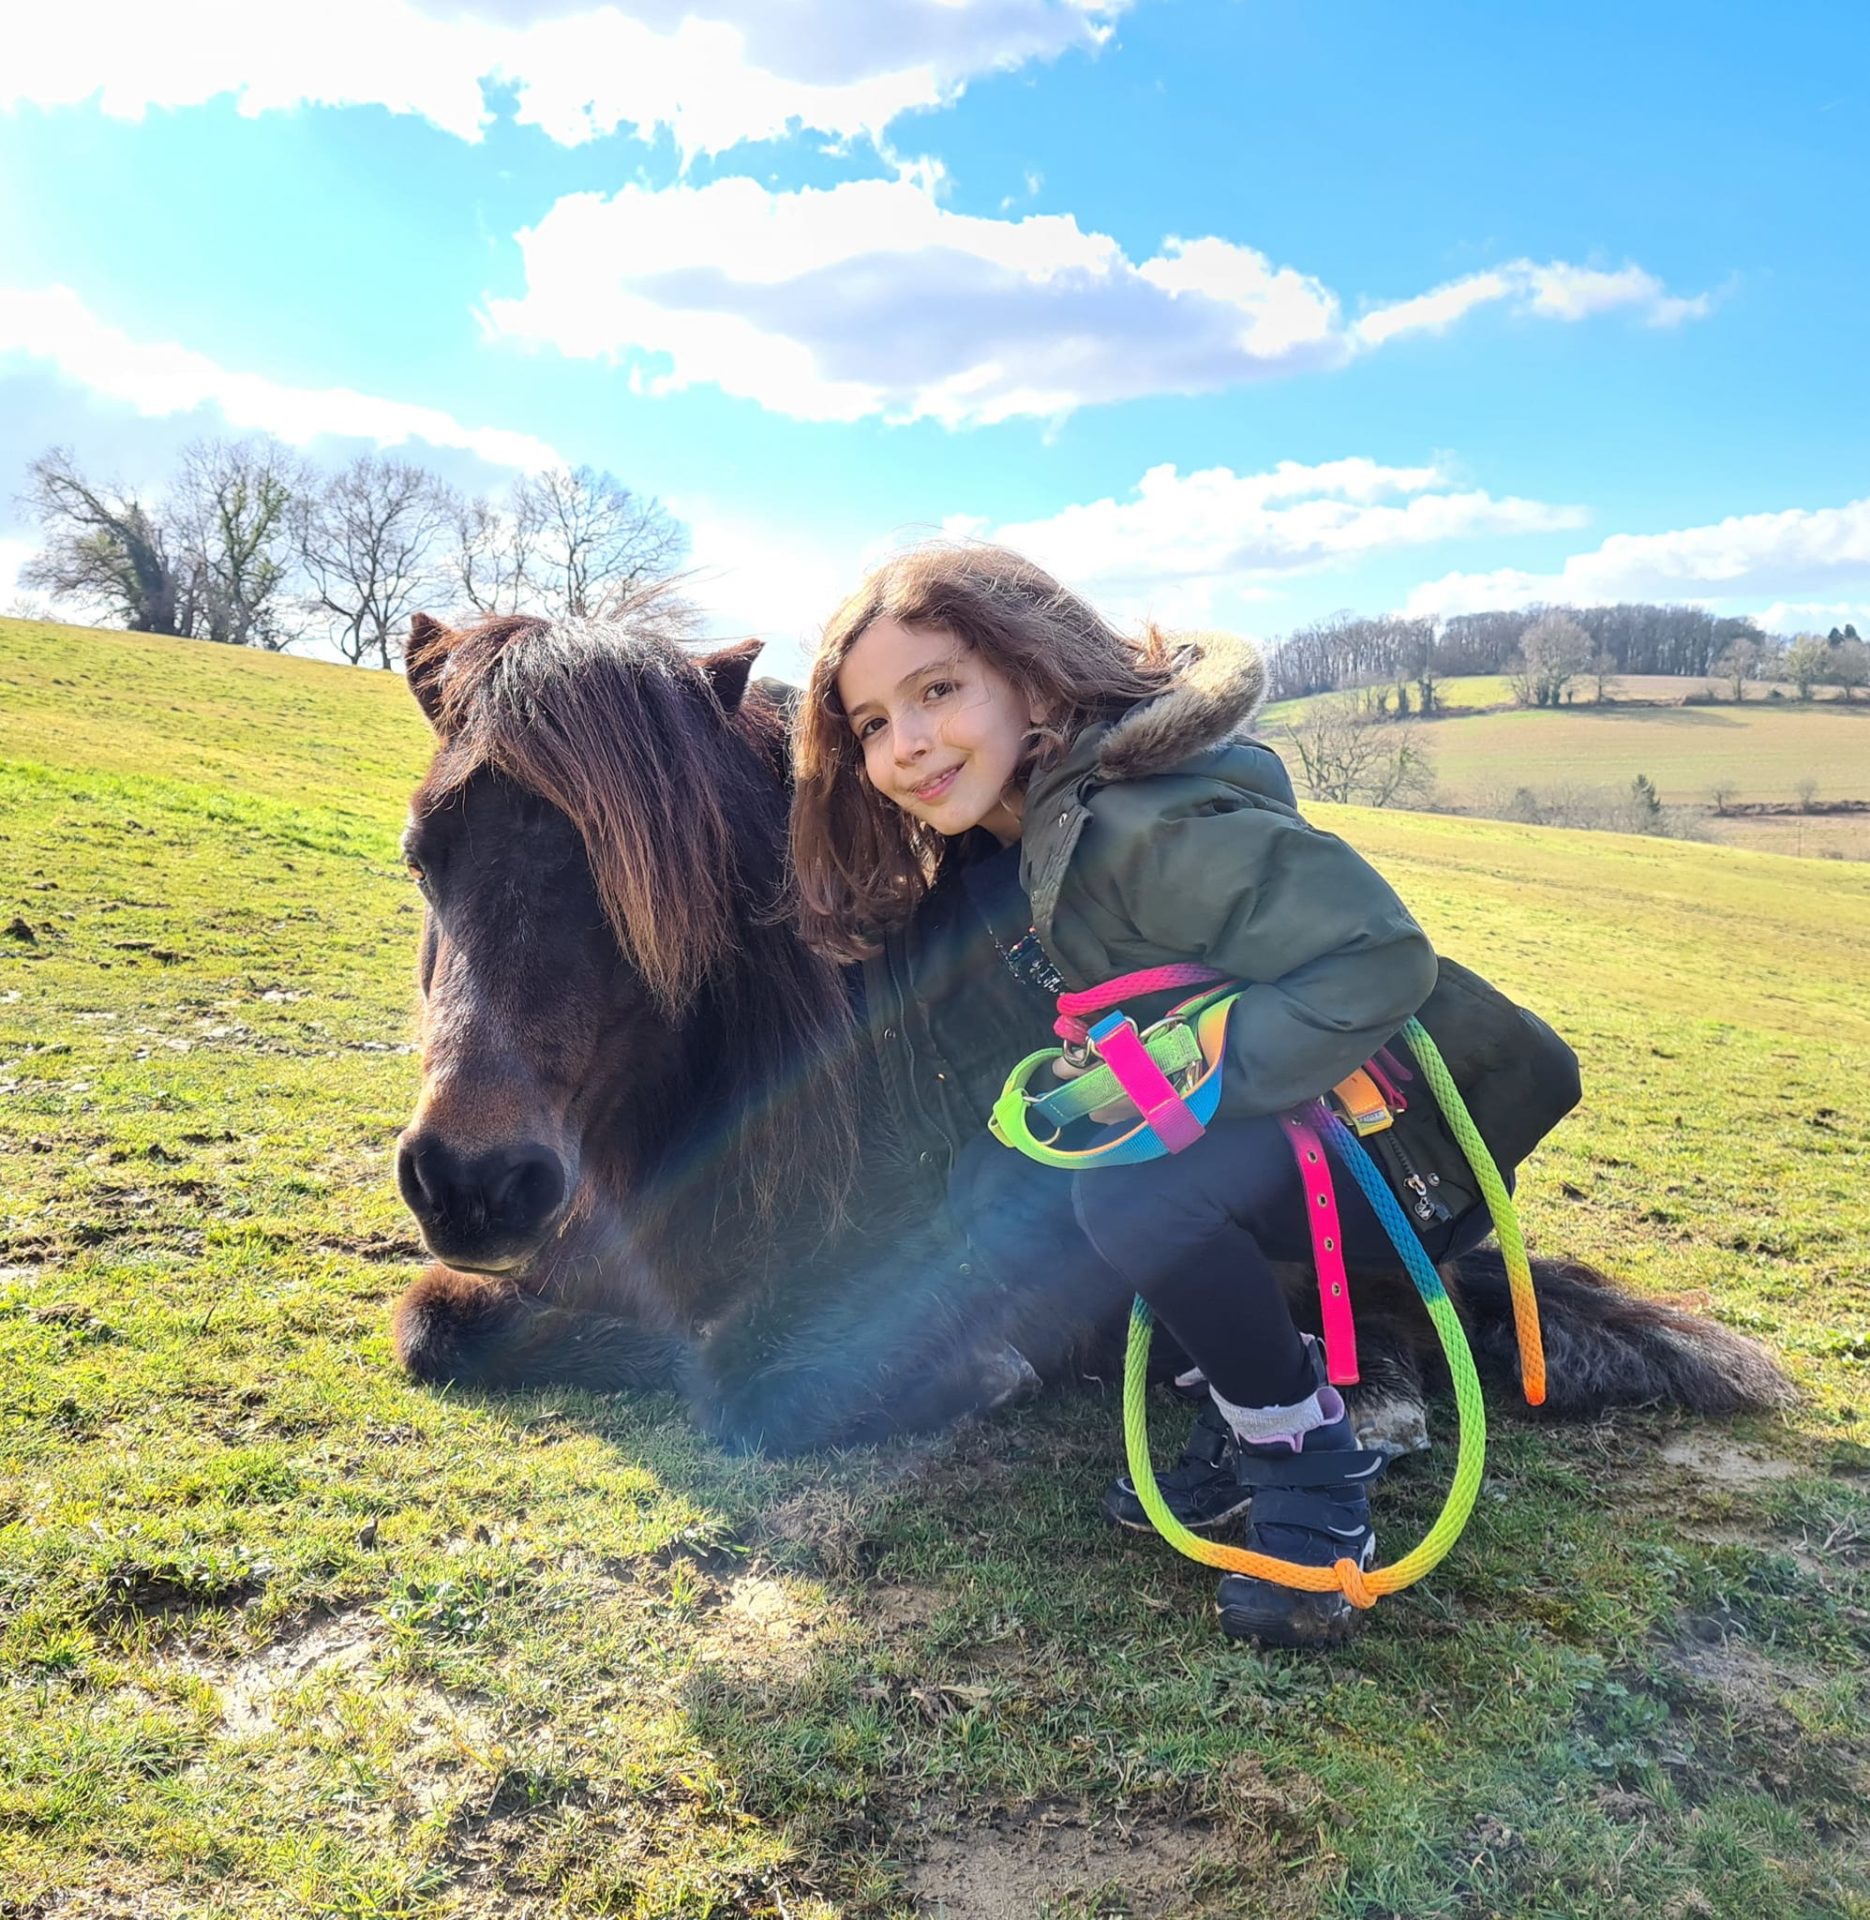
{"points": [[484, 1211]]}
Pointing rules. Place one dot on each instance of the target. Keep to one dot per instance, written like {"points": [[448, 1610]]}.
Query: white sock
{"points": [[1263, 1426]]}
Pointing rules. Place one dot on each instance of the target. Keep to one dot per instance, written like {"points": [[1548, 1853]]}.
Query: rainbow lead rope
{"points": [[1361, 1589], [1499, 1207], [1168, 1051]]}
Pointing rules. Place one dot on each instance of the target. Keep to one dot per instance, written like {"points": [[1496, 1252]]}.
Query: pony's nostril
{"points": [[423, 1175], [527, 1189]]}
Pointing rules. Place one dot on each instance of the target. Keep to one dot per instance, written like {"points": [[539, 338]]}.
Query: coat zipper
{"points": [[1426, 1206]]}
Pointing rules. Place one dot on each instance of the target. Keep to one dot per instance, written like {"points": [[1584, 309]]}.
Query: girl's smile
{"points": [[942, 731]]}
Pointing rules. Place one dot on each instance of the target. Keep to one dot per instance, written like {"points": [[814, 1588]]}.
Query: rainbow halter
{"points": [[1171, 1072]]}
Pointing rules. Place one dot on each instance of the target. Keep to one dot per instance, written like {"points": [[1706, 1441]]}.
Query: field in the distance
{"points": [[1761, 749], [283, 1636]]}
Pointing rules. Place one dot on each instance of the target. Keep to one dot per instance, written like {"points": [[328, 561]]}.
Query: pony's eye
{"points": [[417, 872]]}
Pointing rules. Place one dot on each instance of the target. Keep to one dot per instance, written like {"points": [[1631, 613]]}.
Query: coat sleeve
{"points": [[1333, 961]]}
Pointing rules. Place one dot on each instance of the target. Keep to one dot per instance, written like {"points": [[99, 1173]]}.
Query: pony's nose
{"points": [[483, 1203]]}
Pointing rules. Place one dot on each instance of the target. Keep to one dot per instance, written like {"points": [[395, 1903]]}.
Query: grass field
{"points": [[1483, 750], [283, 1636]]}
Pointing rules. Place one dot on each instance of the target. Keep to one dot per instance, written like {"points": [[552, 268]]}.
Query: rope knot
{"points": [[1353, 1584]]}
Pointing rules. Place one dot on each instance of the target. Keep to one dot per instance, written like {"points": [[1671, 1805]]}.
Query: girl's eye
{"points": [[937, 689], [868, 727]]}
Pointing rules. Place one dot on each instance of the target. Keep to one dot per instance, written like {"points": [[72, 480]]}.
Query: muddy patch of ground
{"points": [[1723, 1462], [249, 1689], [760, 1629], [901, 1608], [437, 1742], [1023, 1863]]}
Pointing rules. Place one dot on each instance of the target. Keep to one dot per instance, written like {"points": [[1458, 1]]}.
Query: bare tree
{"points": [[1722, 793], [105, 549], [1807, 791], [1850, 666], [235, 502], [1603, 671], [1739, 664], [369, 539], [1553, 651], [1346, 757], [493, 552], [1807, 663], [597, 542]]}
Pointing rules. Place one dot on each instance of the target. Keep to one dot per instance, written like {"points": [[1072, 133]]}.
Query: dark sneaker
{"points": [[1313, 1507], [1201, 1489]]}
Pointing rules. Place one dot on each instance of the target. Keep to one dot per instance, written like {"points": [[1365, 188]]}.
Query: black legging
{"points": [[1195, 1233]]}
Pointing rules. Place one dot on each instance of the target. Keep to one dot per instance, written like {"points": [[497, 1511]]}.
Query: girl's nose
{"points": [[909, 741]]}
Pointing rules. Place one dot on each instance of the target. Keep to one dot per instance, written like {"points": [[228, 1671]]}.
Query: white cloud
{"points": [[1814, 616], [52, 324], [871, 299], [1183, 547], [1555, 290], [1748, 555], [714, 72], [766, 578]]}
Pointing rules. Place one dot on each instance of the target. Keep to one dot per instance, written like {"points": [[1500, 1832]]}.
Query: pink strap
{"points": [[1073, 1030], [1321, 1209], [1121, 1049]]}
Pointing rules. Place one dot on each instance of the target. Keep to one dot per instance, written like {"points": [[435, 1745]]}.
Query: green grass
{"points": [[281, 1635]]}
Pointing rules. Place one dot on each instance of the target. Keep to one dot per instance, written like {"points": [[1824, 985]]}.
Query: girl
{"points": [[968, 719]]}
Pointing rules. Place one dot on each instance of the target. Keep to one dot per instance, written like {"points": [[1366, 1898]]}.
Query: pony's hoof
{"points": [[1388, 1423], [1007, 1378]]}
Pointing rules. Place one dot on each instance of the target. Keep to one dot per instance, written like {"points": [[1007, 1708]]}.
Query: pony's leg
{"points": [[478, 1330], [1389, 1404], [888, 1333]]}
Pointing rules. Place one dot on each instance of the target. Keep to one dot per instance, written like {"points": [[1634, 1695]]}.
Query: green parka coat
{"points": [[1167, 835]]}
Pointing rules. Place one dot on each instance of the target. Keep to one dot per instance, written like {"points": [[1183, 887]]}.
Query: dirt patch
{"points": [[445, 1748], [250, 1688], [759, 1630], [1748, 1711], [1017, 1865], [833, 1522], [905, 1608], [1724, 1463]]}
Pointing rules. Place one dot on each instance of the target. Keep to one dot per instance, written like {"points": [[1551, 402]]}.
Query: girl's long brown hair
{"points": [[861, 864]]}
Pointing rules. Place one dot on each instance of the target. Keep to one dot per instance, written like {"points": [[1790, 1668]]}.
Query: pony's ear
{"points": [[425, 655], [727, 671]]}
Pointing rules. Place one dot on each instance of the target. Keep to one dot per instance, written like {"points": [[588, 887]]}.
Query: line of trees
{"points": [[1547, 652], [251, 545]]}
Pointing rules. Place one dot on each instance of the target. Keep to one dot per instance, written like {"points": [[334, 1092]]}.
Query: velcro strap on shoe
{"points": [[1340, 1467], [1294, 1507]]}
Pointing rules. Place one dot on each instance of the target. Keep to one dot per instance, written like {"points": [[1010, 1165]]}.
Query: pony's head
{"points": [[600, 842]]}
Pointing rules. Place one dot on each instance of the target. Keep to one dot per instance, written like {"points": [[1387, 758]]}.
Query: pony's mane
{"points": [[682, 810], [615, 725]]}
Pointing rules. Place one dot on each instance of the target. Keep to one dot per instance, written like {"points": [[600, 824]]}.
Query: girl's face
{"points": [[941, 729]]}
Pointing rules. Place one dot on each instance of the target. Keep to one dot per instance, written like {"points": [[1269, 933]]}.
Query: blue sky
{"points": [[1232, 313]]}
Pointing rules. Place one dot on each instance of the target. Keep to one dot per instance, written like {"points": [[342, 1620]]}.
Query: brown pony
{"points": [[651, 1147]]}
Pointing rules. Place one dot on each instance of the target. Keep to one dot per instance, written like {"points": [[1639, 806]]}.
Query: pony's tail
{"points": [[1605, 1348], [469, 1330]]}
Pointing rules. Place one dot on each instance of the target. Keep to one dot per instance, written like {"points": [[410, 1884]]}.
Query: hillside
{"points": [[1763, 749], [283, 1636]]}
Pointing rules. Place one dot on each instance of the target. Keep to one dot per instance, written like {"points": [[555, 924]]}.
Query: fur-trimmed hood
{"points": [[1219, 684]]}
